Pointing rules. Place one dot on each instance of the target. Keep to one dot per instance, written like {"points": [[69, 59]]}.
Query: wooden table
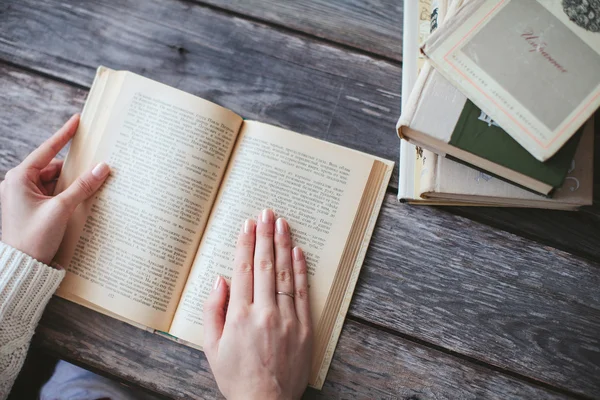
{"points": [[451, 303]]}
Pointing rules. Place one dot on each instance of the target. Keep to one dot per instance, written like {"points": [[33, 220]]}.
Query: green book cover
{"points": [[476, 133]]}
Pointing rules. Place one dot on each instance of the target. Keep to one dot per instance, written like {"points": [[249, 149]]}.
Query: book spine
{"points": [[410, 48], [407, 166], [414, 175], [411, 106], [410, 53]]}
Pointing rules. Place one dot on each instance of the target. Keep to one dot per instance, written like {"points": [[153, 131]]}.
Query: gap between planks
{"points": [[466, 358]]}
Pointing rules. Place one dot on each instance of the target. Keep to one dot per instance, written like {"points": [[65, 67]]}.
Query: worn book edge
{"points": [[377, 202], [541, 149]]}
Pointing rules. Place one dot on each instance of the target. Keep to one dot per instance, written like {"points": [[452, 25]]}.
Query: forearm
{"points": [[26, 286]]}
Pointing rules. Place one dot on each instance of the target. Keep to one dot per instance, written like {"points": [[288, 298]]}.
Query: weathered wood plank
{"points": [[484, 293], [368, 363], [32, 109], [576, 233], [373, 25], [429, 274]]}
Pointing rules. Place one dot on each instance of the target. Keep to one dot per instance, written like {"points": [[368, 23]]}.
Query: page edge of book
{"points": [[351, 287]]}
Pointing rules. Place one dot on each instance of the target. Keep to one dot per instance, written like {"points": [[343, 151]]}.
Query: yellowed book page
{"points": [[316, 185], [130, 248]]}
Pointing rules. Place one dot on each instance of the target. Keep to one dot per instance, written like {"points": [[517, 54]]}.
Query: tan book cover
{"points": [[185, 174], [532, 66]]}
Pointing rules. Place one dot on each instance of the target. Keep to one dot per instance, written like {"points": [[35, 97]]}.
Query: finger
{"points": [[42, 156], [46, 178], [214, 314], [264, 261], [284, 281], [51, 171], [242, 280], [49, 187], [301, 288], [85, 186]]}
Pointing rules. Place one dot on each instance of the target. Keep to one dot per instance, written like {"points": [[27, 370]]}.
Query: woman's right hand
{"points": [[259, 346], [33, 219]]}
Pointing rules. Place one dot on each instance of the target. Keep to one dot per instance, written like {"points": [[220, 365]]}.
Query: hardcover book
{"points": [[442, 181], [532, 66], [420, 19], [440, 118], [185, 174]]}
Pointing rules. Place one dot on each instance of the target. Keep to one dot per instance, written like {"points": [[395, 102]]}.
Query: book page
{"points": [[316, 186], [131, 246]]}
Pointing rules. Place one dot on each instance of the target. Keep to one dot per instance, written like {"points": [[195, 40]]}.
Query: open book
{"points": [[185, 174]]}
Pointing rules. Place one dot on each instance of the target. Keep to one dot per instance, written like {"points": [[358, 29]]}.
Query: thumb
{"points": [[85, 186], [214, 314]]}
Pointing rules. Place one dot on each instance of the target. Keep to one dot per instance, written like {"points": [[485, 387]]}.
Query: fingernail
{"points": [[281, 225], [217, 282], [267, 216], [298, 254], [248, 226], [101, 170]]}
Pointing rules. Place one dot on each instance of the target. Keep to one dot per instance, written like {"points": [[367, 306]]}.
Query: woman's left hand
{"points": [[259, 345]]}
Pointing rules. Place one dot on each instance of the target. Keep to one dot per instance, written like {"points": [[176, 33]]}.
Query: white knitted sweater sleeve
{"points": [[26, 286]]}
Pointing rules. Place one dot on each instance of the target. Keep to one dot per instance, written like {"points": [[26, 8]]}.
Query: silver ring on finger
{"points": [[285, 294]]}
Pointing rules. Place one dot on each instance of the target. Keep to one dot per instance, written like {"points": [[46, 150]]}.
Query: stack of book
{"points": [[497, 103]]}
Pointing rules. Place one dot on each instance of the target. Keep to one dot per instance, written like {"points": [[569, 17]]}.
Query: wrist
{"points": [[25, 248], [32, 279]]}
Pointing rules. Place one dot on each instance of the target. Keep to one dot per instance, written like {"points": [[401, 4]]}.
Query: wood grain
{"points": [[429, 274], [32, 109], [484, 293], [372, 25], [576, 232], [368, 363]]}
